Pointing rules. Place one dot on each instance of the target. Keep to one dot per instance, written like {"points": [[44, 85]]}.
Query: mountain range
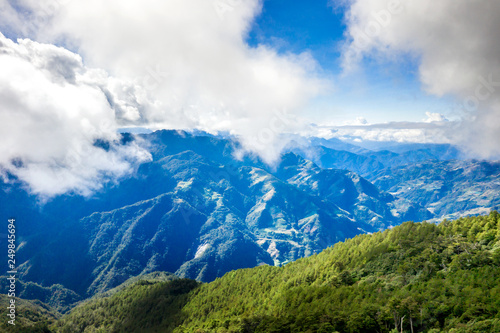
{"points": [[418, 277], [199, 211]]}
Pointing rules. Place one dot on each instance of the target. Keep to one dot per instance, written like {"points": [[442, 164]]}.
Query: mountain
{"points": [[31, 316], [448, 189], [340, 159], [439, 151], [36, 316], [58, 298], [198, 211], [350, 192], [366, 162], [417, 277]]}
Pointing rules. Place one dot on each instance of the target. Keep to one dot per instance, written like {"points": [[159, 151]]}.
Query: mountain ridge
{"points": [[416, 276], [213, 207]]}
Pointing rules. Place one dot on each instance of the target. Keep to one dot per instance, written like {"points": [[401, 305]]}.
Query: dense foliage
{"points": [[417, 277], [144, 307], [56, 296], [31, 316]]}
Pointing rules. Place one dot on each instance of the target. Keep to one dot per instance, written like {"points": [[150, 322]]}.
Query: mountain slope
{"points": [[201, 229], [197, 211], [31, 316], [417, 276], [447, 188], [366, 162], [57, 297], [350, 192]]}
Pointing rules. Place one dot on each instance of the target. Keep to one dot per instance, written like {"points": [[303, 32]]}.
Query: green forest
{"points": [[416, 277]]}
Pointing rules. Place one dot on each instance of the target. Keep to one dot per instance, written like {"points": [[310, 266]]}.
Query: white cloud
{"points": [[171, 64], [409, 132], [434, 117], [192, 59], [456, 44], [52, 112]]}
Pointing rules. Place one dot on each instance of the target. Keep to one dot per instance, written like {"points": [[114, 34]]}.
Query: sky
{"points": [[381, 93], [74, 72]]}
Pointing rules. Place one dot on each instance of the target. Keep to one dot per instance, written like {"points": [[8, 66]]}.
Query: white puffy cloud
{"points": [[192, 60], [456, 45], [172, 64], [52, 112]]}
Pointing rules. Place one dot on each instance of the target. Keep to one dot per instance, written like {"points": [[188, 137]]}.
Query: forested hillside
{"points": [[417, 277], [31, 316]]}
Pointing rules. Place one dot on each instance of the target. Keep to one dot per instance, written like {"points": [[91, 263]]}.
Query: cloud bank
{"points": [[172, 64], [403, 132], [53, 111], [456, 45], [190, 57]]}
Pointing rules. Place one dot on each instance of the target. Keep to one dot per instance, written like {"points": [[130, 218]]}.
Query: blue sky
{"points": [[304, 26], [380, 91]]}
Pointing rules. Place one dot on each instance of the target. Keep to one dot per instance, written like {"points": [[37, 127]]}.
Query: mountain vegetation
{"points": [[200, 210], [56, 296], [30, 316], [416, 277]]}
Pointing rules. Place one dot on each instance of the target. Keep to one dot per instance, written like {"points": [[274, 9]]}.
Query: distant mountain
{"points": [[446, 188], [340, 159], [439, 151], [351, 193], [336, 144], [366, 162]]}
